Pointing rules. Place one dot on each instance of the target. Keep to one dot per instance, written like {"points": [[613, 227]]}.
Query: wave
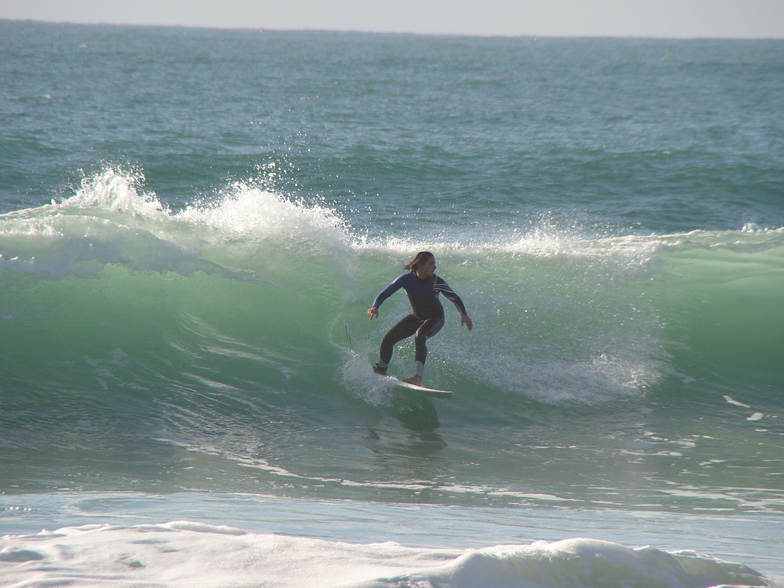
{"points": [[220, 555], [139, 330], [282, 285]]}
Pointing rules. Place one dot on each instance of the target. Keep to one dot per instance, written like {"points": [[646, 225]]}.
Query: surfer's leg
{"points": [[406, 327], [428, 329]]}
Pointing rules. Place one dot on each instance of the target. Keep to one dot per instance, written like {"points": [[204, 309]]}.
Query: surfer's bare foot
{"points": [[416, 380]]}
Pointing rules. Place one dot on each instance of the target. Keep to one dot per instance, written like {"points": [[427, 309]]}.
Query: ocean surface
{"points": [[194, 222]]}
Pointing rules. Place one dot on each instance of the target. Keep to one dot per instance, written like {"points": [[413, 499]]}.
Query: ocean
{"points": [[194, 222]]}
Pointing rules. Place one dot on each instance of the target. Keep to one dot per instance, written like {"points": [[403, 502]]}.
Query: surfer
{"points": [[423, 287]]}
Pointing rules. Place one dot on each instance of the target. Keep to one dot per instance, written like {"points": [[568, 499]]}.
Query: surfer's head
{"points": [[424, 262]]}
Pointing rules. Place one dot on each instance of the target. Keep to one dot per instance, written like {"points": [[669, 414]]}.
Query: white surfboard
{"points": [[419, 390]]}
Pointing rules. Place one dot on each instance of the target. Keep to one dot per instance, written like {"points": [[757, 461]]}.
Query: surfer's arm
{"points": [[443, 288], [396, 284]]}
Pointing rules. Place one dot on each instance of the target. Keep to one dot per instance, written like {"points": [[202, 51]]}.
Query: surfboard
{"points": [[419, 390]]}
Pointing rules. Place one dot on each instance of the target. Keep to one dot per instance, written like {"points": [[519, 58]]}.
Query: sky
{"points": [[613, 18]]}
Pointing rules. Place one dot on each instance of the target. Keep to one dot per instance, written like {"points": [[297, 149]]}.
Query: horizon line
{"points": [[414, 33]]}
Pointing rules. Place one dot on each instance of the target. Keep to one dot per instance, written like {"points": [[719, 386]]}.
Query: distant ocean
{"points": [[194, 222]]}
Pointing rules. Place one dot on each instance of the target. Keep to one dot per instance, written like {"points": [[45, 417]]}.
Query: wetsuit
{"points": [[426, 319]]}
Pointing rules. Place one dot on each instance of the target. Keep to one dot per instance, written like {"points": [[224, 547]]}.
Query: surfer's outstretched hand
{"points": [[464, 320], [373, 312]]}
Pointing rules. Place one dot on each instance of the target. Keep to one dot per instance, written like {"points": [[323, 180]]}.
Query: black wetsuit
{"points": [[427, 317]]}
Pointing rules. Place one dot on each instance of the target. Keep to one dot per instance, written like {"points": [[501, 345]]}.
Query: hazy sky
{"points": [[636, 18]]}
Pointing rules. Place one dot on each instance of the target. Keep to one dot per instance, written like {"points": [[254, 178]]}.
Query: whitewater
{"points": [[193, 224]]}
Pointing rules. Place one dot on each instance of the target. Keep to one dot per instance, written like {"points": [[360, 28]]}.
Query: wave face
{"points": [[231, 335]]}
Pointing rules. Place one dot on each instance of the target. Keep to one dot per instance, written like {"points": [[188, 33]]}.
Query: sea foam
{"points": [[176, 553], [181, 552]]}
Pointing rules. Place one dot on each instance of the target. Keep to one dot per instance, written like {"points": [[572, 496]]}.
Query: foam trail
{"points": [[175, 553]]}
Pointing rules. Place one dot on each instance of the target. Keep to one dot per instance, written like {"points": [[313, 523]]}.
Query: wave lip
{"points": [[112, 219]]}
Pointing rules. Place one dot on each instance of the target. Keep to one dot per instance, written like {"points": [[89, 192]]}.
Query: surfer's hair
{"points": [[420, 259]]}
